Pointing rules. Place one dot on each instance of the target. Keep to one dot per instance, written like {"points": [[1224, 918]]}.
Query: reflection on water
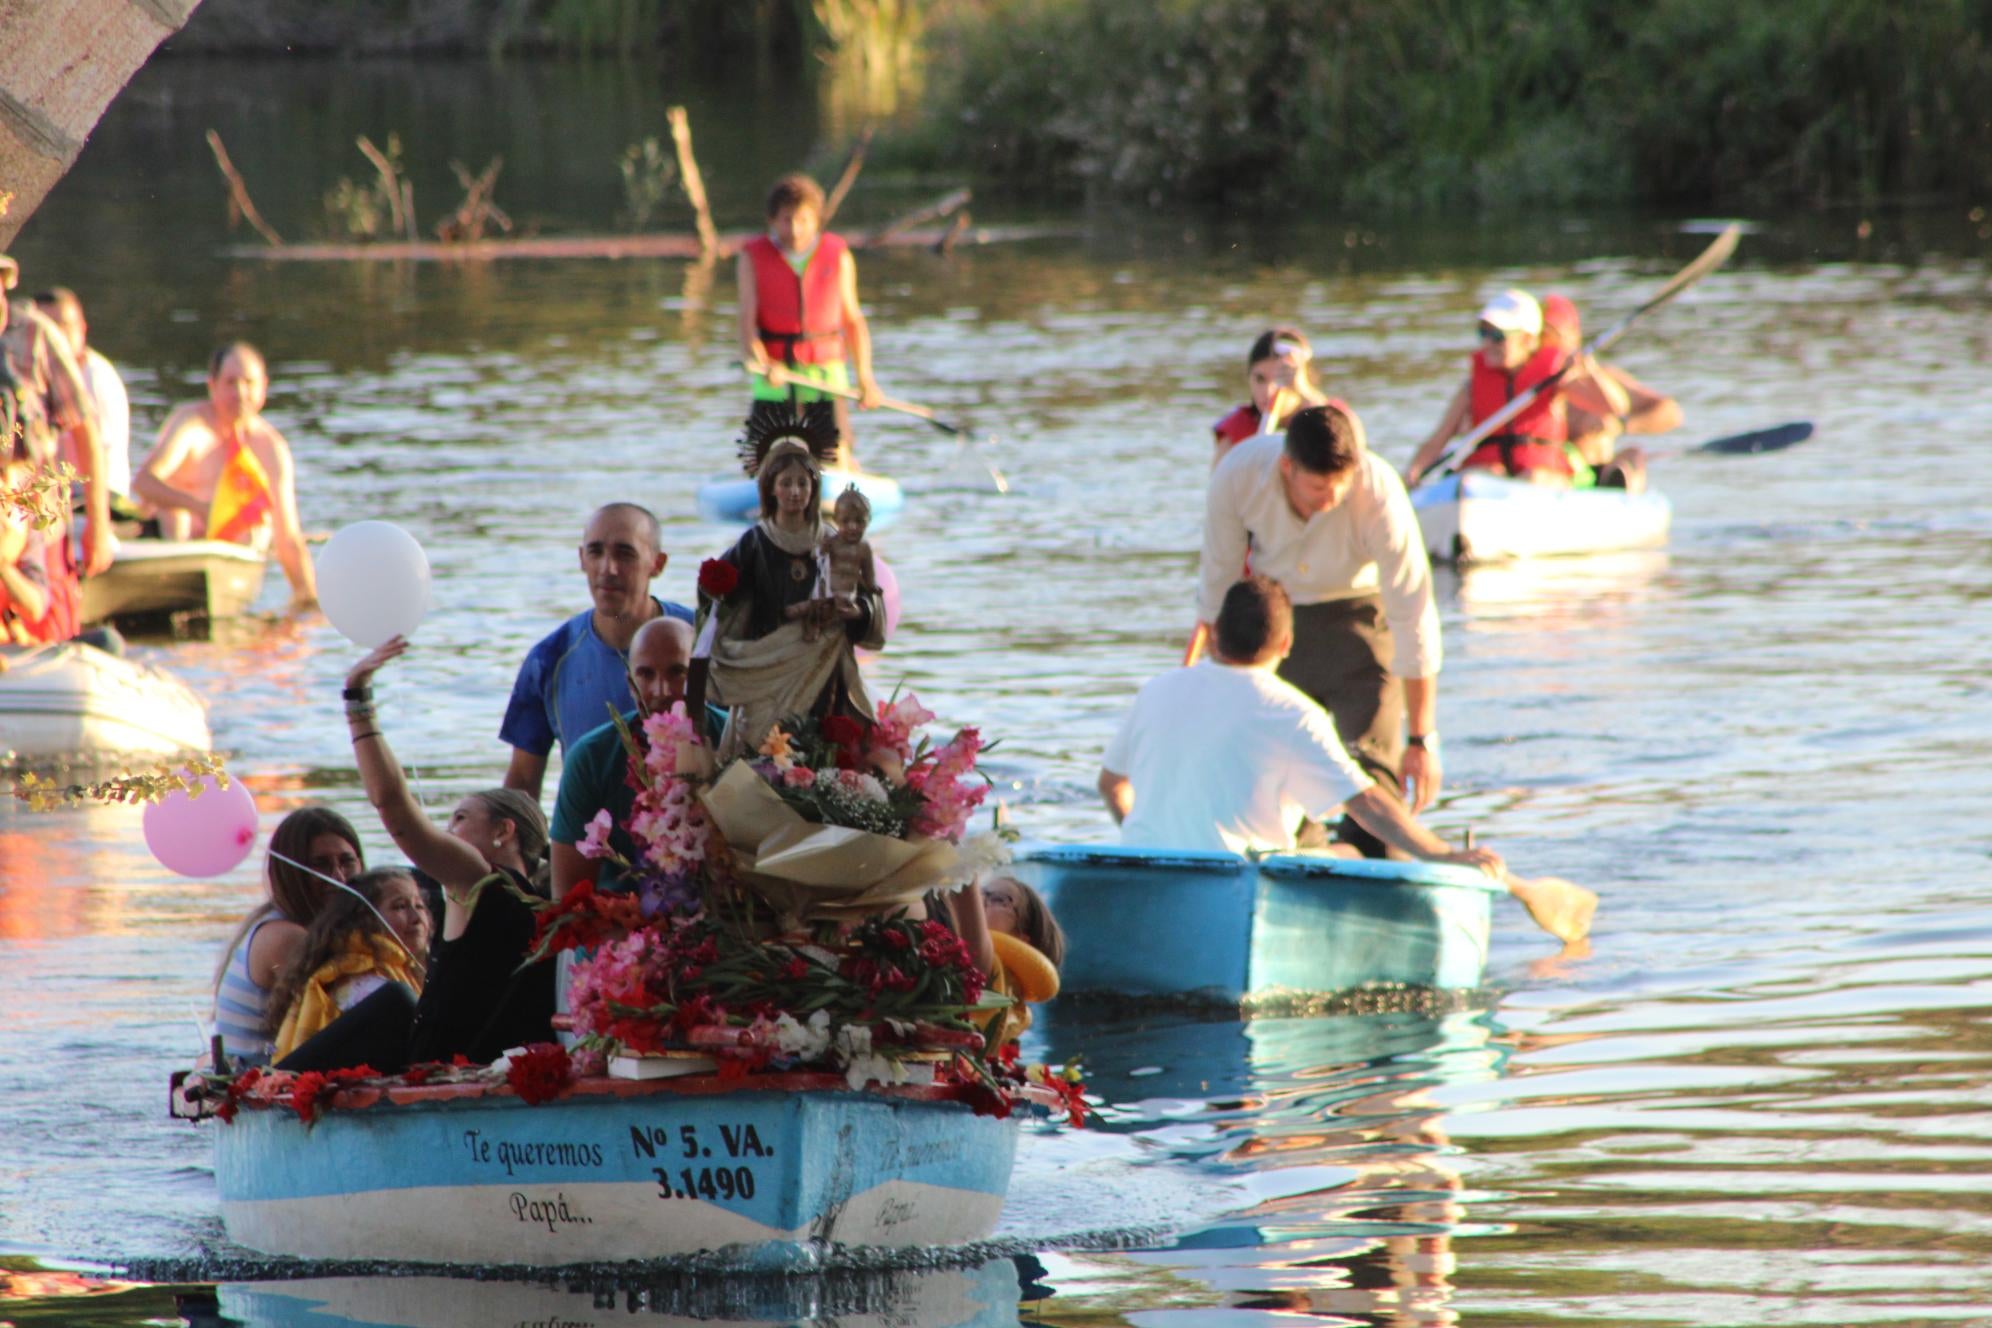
{"points": [[1762, 1098]]}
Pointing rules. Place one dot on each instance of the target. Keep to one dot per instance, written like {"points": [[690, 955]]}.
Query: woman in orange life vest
{"points": [[1279, 371], [800, 321], [1513, 357], [1601, 403]]}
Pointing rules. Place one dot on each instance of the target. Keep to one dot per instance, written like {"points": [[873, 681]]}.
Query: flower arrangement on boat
{"points": [[767, 929]]}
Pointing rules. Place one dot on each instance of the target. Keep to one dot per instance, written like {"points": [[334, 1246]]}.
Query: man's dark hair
{"points": [[793, 191], [1322, 440], [1256, 613], [59, 297], [645, 518]]}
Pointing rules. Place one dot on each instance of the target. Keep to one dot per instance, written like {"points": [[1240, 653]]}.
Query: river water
{"points": [[1765, 1096]]}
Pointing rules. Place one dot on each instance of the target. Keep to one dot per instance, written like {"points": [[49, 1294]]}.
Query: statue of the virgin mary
{"points": [[764, 668]]}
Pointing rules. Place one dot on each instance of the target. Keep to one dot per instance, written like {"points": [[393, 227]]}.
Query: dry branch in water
{"points": [[240, 206]]}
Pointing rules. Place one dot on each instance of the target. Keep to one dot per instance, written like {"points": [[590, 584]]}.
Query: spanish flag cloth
{"points": [[242, 497], [317, 1002]]}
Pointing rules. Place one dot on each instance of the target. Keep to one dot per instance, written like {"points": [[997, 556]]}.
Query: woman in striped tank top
{"points": [[271, 937]]}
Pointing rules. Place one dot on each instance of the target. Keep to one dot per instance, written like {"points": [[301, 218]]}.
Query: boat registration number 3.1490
{"points": [[684, 1147]]}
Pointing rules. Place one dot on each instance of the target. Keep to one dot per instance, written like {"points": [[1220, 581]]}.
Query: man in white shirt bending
{"points": [[1225, 754], [1318, 513]]}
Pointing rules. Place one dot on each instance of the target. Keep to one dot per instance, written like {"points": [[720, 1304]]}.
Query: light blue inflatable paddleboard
{"points": [[734, 498]]}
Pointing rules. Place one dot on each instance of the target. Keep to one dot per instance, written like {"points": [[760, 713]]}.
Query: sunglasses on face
{"points": [[1493, 336]]}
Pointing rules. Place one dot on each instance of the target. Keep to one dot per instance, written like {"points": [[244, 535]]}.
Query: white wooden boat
{"points": [[615, 1169], [1476, 517], [73, 701], [152, 578]]}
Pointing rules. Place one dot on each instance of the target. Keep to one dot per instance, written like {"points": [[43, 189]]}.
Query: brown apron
{"points": [[1341, 658]]}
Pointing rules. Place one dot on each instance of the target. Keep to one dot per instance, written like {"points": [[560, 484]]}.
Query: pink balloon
{"points": [[206, 836], [888, 585]]}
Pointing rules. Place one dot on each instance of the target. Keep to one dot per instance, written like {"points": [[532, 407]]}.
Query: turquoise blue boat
{"points": [[614, 1170], [1222, 927]]}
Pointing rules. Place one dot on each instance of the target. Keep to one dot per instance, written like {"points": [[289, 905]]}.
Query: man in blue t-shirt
{"points": [[574, 679]]}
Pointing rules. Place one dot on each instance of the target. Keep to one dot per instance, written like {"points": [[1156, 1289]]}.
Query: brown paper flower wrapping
{"points": [[808, 871]]}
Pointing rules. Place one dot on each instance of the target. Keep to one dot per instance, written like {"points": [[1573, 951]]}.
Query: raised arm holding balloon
{"points": [[477, 1000]]}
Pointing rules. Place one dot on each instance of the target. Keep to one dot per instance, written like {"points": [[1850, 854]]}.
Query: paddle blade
{"points": [[1761, 440]]}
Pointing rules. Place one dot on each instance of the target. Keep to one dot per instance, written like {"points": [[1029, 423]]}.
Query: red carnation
{"points": [[305, 1092], [540, 1073], [718, 578]]}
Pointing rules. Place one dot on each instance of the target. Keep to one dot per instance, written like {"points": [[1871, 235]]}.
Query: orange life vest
{"points": [[800, 318], [1534, 439]]}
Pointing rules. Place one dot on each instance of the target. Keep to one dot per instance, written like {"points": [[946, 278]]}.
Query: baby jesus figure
{"points": [[847, 562]]}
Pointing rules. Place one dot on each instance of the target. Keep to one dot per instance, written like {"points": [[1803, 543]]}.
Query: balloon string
{"points": [[338, 884]]}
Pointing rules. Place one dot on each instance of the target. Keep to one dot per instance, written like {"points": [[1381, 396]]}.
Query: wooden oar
{"points": [[1710, 259], [918, 412]]}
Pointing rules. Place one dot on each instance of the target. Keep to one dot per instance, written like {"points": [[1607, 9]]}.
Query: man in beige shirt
{"points": [[1329, 521]]}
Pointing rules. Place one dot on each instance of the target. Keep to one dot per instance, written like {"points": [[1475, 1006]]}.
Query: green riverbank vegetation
{"points": [[1438, 103]]}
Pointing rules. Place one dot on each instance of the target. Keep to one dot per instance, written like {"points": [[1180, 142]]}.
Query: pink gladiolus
{"points": [[595, 844]]}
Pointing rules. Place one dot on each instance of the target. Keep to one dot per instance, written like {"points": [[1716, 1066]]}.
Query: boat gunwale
{"points": [[363, 1097]]}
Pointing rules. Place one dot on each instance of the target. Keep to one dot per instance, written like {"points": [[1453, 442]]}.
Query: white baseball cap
{"points": [[1513, 311]]}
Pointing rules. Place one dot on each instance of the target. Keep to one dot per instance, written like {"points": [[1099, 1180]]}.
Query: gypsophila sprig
{"points": [[43, 497], [190, 774]]}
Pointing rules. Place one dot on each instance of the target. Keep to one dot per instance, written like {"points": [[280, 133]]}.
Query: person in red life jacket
{"points": [[221, 471], [1279, 371], [1513, 357], [800, 321], [1602, 402]]}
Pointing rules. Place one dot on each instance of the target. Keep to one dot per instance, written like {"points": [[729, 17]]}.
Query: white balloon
{"points": [[373, 582]]}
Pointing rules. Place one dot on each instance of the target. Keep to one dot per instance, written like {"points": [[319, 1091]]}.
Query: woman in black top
{"points": [[476, 1002]]}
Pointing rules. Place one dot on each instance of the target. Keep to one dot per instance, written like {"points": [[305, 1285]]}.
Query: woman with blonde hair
{"points": [[492, 856]]}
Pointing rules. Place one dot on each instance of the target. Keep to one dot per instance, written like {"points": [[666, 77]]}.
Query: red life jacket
{"points": [[1534, 439], [800, 318]]}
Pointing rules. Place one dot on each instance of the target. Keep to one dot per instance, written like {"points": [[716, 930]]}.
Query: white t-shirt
{"points": [[1223, 757], [107, 391]]}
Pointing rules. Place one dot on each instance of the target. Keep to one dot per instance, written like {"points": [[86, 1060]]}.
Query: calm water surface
{"points": [[1764, 1097]]}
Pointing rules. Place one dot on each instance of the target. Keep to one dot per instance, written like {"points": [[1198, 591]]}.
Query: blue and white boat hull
{"points": [[1157, 922], [1476, 517], [629, 1172]]}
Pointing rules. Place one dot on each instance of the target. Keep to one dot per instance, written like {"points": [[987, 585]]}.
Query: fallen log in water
{"points": [[675, 245]]}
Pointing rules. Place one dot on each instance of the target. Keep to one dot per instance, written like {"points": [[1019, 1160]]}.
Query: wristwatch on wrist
{"points": [[1429, 741]]}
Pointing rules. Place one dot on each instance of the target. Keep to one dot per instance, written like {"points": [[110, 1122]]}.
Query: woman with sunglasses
{"points": [[1512, 358]]}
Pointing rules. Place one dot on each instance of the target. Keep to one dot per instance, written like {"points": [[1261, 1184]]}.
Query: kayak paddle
{"points": [[1775, 439], [918, 412], [1709, 260]]}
